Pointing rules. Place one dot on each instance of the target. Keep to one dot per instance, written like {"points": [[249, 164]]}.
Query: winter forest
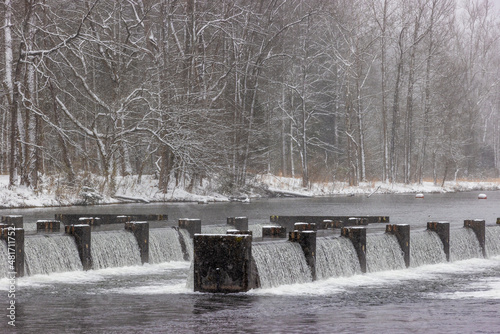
{"points": [[322, 90]]}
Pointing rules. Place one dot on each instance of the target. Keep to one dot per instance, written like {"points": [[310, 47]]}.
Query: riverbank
{"points": [[129, 189]]}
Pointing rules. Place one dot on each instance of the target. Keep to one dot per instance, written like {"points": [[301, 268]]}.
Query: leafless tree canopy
{"points": [[353, 90]]}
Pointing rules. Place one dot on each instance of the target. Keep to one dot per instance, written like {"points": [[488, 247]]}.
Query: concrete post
{"points": [[443, 231], [307, 241], [49, 225], [222, 263], [479, 228], [13, 220], [402, 233], [193, 226], [273, 232], [15, 247], [304, 227], [82, 233], [233, 231], [239, 223], [357, 235], [141, 234], [92, 221]]}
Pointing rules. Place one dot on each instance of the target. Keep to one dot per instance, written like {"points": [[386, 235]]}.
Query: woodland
{"points": [[399, 91]]}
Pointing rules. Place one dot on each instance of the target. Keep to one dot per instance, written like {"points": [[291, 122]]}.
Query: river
{"points": [[457, 297]]}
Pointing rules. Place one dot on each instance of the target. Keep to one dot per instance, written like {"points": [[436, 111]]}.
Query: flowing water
{"points": [[426, 248], [122, 296], [114, 249], [280, 263], [45, 254], [336, 257]]}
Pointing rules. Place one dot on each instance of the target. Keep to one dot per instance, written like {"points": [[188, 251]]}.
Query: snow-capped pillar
{"points": [[13, 220], [49, 225], [14, 237], [222, 263], [402, 233], [479, 228], [300, 226], [141, 234], [443, 231], [193, 226], [273, 232], [306, 240], [357, 235], [239, 223], [82, 233], [92, 221]]}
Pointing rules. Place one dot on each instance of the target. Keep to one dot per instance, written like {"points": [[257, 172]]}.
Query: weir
{"points": [[114, 249], [165, 245], [324, 222], [383, 253], [73, 218], [464, 245]]}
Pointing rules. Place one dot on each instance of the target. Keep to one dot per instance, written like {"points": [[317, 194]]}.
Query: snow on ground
{"points": [[147, 190]]}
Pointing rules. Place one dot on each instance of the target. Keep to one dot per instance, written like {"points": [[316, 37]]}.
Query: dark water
{"points": [[457, 297]]}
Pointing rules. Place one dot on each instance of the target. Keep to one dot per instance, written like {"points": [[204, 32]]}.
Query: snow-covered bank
{"points": [[128, 188]]}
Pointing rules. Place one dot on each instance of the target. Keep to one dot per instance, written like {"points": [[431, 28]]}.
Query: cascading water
{"points": [[188, 242], [114, 249], [164, 245], [464, 245], [280, 263], [383, 253], [45, 254], [336, 258], [4, 259], [426, 248], [492, 240]]}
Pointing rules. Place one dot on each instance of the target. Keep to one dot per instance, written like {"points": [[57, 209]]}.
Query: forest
{"points": [[322, 90]]}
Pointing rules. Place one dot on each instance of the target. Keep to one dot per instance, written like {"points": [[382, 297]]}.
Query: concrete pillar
{"points": [[14, 237], [498, 221], [239, 223], [304, 227], [13, 220], [49, 225], [479, 228], [357, 235], [443, 231], [306, 240], [92, 221], [234, 231], [193, 226], [141, 234], [402, 233], [273, 232], [82, 233], [222, 263]]}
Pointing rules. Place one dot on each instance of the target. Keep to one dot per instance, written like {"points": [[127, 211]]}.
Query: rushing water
{"points": [[383, 253], [45, 254], [336, 258], [280, 263], [4, 258], [434, 296], [164, 245], [114, 249], [426, 248]]}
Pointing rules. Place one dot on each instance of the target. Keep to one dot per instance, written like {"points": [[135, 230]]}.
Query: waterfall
{"points": [[114, 249], [383, 253], [335, 258], [492, 240], [464, 245], [4, 258], [426, 248], [188, 242], [45, 254], [280, 263], [164, 245]]}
